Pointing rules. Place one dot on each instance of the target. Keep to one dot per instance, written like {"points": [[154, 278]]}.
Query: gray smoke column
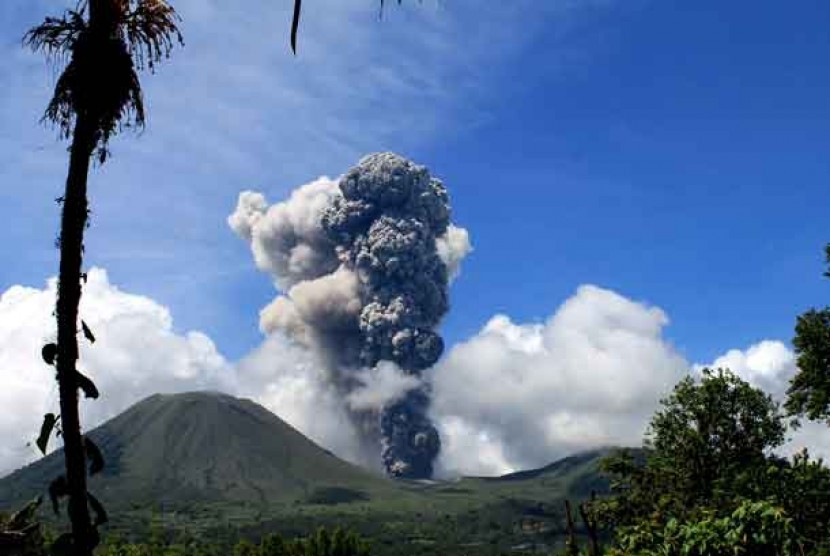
{"points": [[365, 264]]}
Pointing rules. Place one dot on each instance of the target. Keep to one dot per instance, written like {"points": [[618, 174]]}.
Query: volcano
{"points": [[204, 447]]}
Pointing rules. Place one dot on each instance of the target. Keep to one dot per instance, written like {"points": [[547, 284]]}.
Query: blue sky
{"points": [[673, 152]]}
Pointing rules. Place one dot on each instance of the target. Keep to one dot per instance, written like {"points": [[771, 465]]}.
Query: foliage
{"points": [[753, 528], [801, 487], [322, 543], [704, 448], [100, 80], [809, 391], [20, 533], [706, 483]]}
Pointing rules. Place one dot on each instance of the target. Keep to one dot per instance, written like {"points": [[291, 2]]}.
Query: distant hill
{"points": [[221, 466]]}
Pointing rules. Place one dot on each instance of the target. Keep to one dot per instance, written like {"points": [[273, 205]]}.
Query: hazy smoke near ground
{"points": [[364, 264]]}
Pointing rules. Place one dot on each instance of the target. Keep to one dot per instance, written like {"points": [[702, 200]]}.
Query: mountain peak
{"points": [[202, 446]]}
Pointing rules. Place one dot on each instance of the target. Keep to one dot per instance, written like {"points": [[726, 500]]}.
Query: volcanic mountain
{"points": [[203, 448]]}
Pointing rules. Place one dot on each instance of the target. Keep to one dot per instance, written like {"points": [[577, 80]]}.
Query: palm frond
{"points": [[295, 24], [151, 32], [295, 20], [100, 80], [56, 36]]}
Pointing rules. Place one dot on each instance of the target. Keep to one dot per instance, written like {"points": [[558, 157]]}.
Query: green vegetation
{"points": [[322, 543], [20, 533], [706, 483], [809, 392]]}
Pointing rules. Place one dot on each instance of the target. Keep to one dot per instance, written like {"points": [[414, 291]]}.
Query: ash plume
{"points": [[364, 264]]}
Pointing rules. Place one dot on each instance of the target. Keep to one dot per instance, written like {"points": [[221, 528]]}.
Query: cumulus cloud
{"points": [[521, 395], [769, 365], [137, 354]]}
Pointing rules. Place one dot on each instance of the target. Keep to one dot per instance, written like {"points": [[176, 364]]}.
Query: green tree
{"points": [[97, 94], [246, 548], [752, 529], [707, 445], [809, 391], [801, 487], [273, 545]]}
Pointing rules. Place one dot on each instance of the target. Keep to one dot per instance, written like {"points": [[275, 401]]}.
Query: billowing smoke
{"points": [[364, 264]]}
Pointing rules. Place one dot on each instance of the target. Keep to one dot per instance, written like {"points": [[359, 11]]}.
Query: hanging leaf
{"points": [[22, 518], [88, 333], [93, 454], [98, 510], [49, 352], [57, 489], [63, 546], [94, 538], [88, 387], [295, 24], [49, 421]]}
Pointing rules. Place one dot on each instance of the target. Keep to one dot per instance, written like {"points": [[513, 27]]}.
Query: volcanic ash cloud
{"points": [[364, 264]]}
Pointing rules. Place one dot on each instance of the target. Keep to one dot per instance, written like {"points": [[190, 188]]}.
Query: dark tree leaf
{"points": [[49, 421], [88, 387], [49, 352], [93, 454], [57, 489], [63, 546], [98, 510], [24, 517], [295, 24], [88, 333]]}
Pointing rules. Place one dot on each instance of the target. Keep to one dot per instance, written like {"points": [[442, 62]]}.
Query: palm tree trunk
{"points": [[73, 223]]}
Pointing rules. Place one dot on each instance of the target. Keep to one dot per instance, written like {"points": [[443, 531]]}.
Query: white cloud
{"points": [[769, 365], [518, 396], [137, 353]]}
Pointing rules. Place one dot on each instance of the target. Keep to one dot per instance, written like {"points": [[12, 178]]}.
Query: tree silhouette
{"points": [[97, 94], [809, 391]]}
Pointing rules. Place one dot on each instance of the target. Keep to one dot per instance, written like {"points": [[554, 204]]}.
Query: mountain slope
{"points": [[218, 467], [204, 447]]}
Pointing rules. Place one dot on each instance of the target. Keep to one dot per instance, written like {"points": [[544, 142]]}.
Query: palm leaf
{"points": [[100, 79]]}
